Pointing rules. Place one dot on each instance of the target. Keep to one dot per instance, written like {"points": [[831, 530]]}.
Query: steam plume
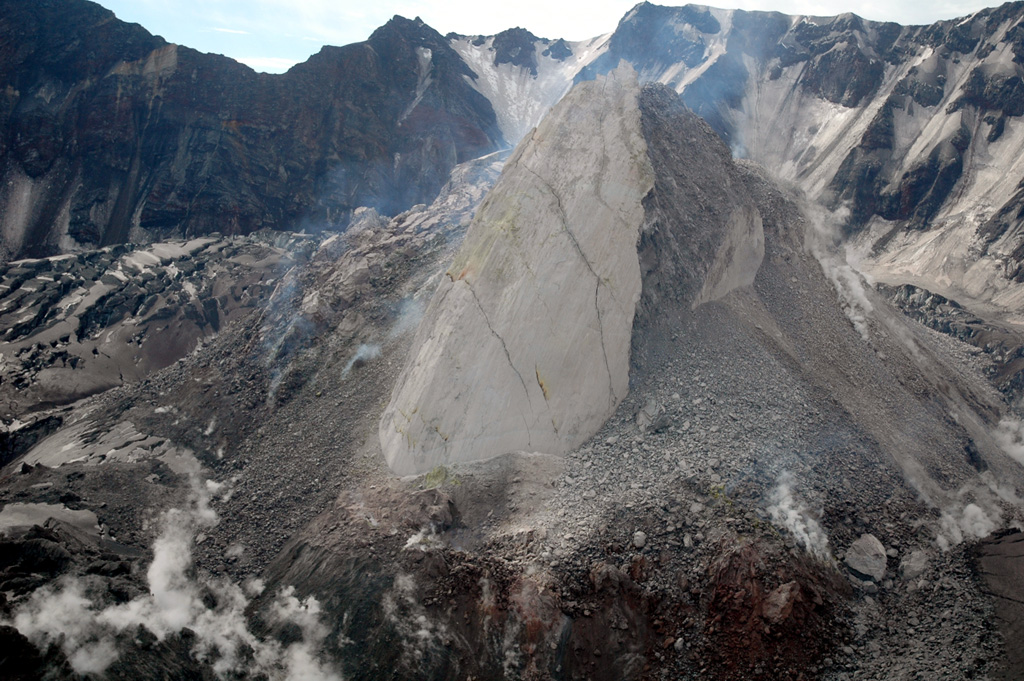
{"points": [[823, 240], [1009, 435], [364, 353], [969, 522], [87, 634], [790, 513]]}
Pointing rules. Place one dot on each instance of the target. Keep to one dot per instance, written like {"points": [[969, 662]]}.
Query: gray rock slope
{"points": [[775, 400], [525, 345]]}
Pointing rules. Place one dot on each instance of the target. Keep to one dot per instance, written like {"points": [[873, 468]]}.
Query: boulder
{"points": [[525, 344], [866, 557], [914, 565]]}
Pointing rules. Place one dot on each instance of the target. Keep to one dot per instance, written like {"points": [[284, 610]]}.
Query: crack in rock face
{"points": [[546, 284]]}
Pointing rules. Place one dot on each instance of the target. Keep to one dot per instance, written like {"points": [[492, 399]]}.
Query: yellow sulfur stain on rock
{"points": [[540, 382]]}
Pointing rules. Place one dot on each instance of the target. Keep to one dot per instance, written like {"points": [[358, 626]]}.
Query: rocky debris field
{"points": [[792, 488], [1002, 345], [781, 495], [662, 548], [77, 325]]}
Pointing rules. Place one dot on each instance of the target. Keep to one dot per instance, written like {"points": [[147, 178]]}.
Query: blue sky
{"points": [[271, 35]]}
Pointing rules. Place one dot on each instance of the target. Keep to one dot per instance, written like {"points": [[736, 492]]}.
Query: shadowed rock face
{"points": [[689, 256], [999, 562], [516, 46], [106, 130]]}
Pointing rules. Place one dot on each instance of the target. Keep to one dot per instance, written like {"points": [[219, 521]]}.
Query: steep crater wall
{"points": [[109, 134]]}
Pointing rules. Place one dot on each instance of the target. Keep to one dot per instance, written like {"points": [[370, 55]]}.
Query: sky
{"points": [[272, 35]]}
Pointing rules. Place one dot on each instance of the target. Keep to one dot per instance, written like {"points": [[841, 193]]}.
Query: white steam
{"points": [[87, 633], [1009, 435], [364, 353], [969, 522], [419, 634], [823, 242], [788, 512], [410, 312], [67, 617]]}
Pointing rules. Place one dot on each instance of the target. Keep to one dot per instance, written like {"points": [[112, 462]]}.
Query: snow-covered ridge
{"points": [[519, 97], [895, 126]]}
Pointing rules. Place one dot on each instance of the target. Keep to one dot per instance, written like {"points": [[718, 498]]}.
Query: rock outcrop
{"points": [[600, 224], [525, 345], [110, 134]]}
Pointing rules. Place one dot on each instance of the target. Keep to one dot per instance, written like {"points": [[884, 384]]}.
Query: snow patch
{"points": [[519, 98]]}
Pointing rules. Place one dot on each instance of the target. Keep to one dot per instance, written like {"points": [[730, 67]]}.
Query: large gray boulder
{"points": [[866, 556], [525, 344]]}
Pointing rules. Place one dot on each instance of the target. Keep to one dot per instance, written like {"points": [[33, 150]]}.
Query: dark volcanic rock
{"points": [[19, 661], [559, 50], [516, 46], [925, 187], [110, 129], [1001, 344], [926, 91], [1002, 93], [647, 37], [676, 234], [1008, 218], [15, 442], [844, 75], [766, 623], [998, 561]]}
